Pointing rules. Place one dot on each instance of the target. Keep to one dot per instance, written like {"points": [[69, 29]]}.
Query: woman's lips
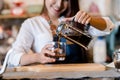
{"points": [[56, 10]]}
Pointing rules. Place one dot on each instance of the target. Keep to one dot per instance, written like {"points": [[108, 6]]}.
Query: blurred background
{"points": [[14, 12]]}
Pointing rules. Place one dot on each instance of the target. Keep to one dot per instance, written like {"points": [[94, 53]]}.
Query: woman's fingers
{"points": [[78, 16], [48, 49], [47, 60], [86, 20], [46, 54], [81, 17]]}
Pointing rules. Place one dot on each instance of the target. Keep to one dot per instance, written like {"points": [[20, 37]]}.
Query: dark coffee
{"points": [[117, 64], [84, 40], [81, 40], [59, 57]]}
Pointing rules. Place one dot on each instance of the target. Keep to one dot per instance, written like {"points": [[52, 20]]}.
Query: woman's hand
{"points": [[46, 55], [42, 58], [81, 17]]}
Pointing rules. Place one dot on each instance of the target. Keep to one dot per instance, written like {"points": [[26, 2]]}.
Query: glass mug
{"points": [[116, 59], [59, 48]]}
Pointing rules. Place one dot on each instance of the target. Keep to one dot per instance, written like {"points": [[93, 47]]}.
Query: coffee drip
{"points": [[75, 32]]}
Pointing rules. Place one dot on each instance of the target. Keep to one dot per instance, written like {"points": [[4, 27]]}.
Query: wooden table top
{"points": [[51, 70]]}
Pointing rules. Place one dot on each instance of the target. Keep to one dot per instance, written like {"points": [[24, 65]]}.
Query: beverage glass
{"points": [[59, 48], [116, 59]]}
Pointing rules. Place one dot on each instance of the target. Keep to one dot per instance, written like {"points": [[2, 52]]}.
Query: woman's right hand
{"points": [[80, 17], [44, 56]]}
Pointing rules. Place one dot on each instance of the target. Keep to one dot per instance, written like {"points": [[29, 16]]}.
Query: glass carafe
{"points": [[75, 32]]}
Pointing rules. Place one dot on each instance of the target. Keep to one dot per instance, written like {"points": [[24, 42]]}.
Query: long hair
{"points": [[73, 8]]}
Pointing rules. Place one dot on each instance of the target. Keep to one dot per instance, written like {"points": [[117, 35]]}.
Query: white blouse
{"points": [[35, 33]]}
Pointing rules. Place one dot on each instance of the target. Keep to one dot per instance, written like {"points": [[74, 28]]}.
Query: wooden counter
{"points": [[49, 71]]}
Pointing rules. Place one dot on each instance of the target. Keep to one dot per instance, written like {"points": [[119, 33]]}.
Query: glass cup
{"points": [[59, 48], [116, 59]]}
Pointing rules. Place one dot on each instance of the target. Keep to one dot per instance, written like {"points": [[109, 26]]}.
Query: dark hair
{"points": [[73, 8]]}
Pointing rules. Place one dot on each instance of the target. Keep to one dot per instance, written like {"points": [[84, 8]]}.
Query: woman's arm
{"points": [[97, 22], [109, 27], [22, 45], [38, 57]]}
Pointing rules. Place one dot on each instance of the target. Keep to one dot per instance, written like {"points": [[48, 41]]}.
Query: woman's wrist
{"points": [[29, 59], [35, 58]]}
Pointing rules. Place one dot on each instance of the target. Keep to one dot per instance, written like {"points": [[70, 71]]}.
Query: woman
{"points": [[37, 31]]}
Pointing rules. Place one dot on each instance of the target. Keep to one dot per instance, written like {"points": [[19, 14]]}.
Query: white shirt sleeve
{"points": [[95, 32], [22, 44]]}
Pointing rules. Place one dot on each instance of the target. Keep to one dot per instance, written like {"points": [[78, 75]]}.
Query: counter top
{"points": [[50, 71]]}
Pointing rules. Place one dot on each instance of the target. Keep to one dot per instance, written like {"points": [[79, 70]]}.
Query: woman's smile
{"points": [[56, 10], [56, 7]]}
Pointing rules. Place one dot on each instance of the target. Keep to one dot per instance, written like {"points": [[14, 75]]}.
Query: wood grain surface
{"points": [[62, 67], [51, 71]]}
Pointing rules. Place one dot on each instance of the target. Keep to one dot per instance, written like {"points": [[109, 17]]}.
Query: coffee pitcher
{"points": [[75, 32]]}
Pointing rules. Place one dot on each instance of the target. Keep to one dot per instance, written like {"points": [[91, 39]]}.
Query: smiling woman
{"points": [[36, 32]]}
